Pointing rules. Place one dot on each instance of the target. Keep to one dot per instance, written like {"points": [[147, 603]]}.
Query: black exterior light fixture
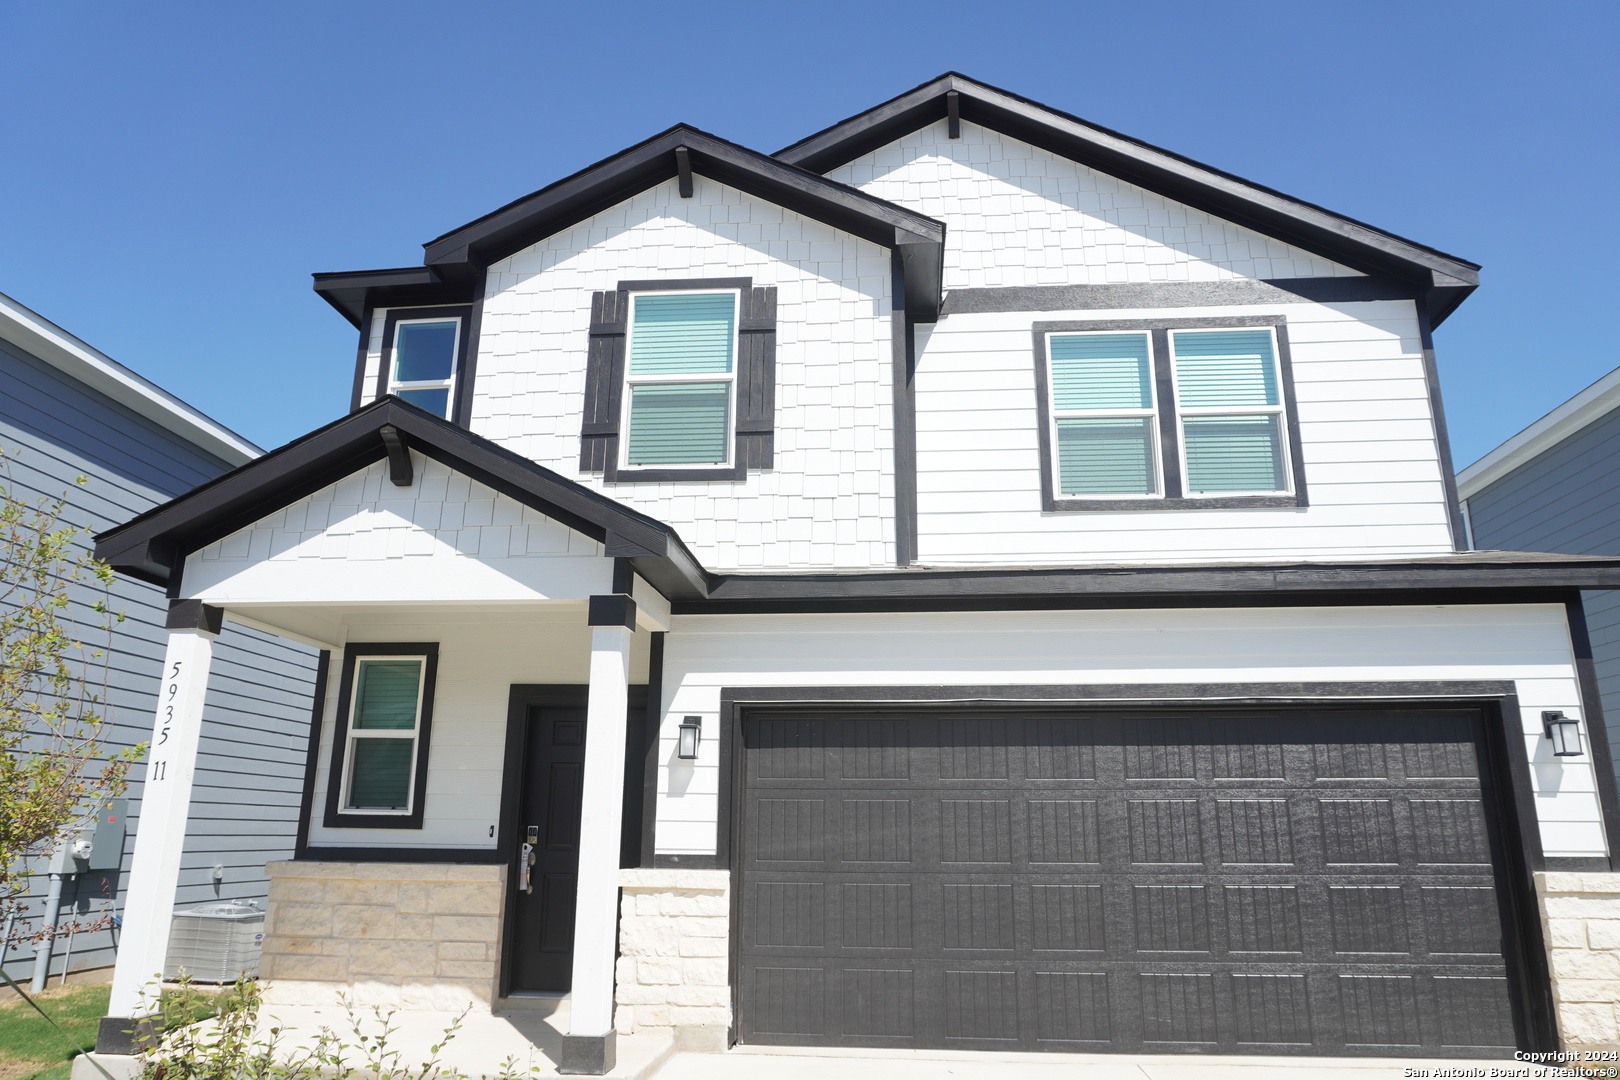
{"points": [[1563, 733], [691, 735]]}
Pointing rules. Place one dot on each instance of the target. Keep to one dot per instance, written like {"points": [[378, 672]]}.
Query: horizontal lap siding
{"points": [[1567, 499], [1528, 644], [244, 804], [1367, 435], [829, 498]]}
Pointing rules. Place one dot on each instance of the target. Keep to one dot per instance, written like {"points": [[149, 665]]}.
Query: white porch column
{"points": [[160, 834], [589, 1045]]}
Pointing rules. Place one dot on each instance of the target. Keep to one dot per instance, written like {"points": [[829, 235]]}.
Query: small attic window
{"points": [[425, 363]]}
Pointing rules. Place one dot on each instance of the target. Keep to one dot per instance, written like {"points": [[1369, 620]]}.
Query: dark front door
{"points": [[1308, 881], [541, 921]]}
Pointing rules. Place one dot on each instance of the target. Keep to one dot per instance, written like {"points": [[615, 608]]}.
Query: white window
{"points": [[1229, 402], [1104, 415], [423, 369], [385, 717], [680, 380]]}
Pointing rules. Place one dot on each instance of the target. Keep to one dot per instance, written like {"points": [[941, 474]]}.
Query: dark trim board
{"points": [[466, 856], [1597, 729], [337, 818], [312, 753], [1506, 772], [903, 344], [1442, 439], [460, 312], [1177, 294]]}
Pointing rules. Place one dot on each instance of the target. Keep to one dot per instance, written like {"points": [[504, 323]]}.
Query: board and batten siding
{"points": [[1528, 644], [1372, 464], [1566, 499], [829, 499], [250, 765]]}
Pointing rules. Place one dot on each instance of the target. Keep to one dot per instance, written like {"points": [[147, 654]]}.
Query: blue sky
{"points": [[170, 174]]}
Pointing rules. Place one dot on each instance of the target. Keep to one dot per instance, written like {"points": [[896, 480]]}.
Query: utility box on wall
{"points": [[95, 843]]}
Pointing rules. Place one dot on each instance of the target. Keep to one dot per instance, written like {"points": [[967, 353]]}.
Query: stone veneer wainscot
{"points": [[1581, 919], [405, 935], [673, 955]]}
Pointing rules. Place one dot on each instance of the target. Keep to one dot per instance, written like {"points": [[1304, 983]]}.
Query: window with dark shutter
{"points": [[680, 381]]}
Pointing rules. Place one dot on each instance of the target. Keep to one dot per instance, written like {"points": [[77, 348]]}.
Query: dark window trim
{"points": [[465, 856], [1169, 418], [1442, 437], [903, 349], [462, 313], [1506, 764], [753, 438], [312, 753], [1177, 294], [358, 391], [472, 329], [337, 818]]}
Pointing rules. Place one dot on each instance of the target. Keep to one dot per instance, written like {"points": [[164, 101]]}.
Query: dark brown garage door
{"points": [[1213, 881]]}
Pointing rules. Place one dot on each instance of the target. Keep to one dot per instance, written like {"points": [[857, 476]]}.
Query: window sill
{"points": [[1238, 502], [356, 819], [615, 475]]}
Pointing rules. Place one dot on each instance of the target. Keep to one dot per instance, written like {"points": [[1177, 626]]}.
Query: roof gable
{"points": [[1444, 280], [452, 262], [153, 546]]}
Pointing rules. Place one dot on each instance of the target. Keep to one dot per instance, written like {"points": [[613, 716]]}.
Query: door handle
{"points": [[525, 861]]}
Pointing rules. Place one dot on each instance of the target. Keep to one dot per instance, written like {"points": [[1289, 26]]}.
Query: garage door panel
{"points": [[1237, 881]]}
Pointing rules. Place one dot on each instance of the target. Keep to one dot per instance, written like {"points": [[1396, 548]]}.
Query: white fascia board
{"points": [[42, 338], [1586, 407]]}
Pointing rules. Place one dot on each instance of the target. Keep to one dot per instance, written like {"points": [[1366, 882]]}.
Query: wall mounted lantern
{"points": [[1563, 733], [691, 735]]}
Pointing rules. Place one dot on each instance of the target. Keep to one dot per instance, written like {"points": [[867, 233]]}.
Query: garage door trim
{"points": [[1506, 769]]}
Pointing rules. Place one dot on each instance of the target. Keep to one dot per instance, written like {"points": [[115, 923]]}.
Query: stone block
{"points": [[414, 927], [1581, 907], [699, 995], [299, 918], [359, 922], [1588, 1024], [648, 937], [463, 950], [634, 993], [466, 969], [493, 873], [298, 890], [466, 928], [464, 899], [394, 958], [411, 898], [651, 972], [310, 968], [624, 1019], [704, 946], [1603, 933], [291, 945], [1587, 990], [359, 892], [704, 971], [694, 903], [664, 879], [1566, 933], [1585, 964], [692, 926], [699, 1015], [654, 1015]]}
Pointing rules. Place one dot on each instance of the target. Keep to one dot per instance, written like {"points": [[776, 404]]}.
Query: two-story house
{"points": [[969, 579]]}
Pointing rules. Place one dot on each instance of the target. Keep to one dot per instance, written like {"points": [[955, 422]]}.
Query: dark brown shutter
{"points": [[756, 380], [604, 376]]}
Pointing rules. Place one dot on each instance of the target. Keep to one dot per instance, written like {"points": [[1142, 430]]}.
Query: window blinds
{"points": [[684, 334], [1101, 371], [1106, 456], [678, 423], [1230, 367]]}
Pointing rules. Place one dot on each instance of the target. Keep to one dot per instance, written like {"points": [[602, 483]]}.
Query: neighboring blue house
{"points": [[67, 410], [1555, 486]]}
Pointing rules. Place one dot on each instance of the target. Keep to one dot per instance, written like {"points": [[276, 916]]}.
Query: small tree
{"points": [[52, 762]]}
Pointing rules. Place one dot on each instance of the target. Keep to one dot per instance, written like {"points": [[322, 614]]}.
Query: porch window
{"points": [[680, 379], [424, 362], [382, 738]]}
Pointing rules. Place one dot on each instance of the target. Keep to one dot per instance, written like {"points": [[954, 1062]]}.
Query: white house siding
{"points": [[1019, 215], [829, 500], [444, 538], [1366, 425], [481, 655], [1528, 644]]}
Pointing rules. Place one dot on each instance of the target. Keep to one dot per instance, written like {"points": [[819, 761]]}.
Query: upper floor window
{"points": [[424, 367], [679, 379], [1181, 414]]}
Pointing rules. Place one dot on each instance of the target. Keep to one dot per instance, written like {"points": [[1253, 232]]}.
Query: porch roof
{"points": [[154, 545]]}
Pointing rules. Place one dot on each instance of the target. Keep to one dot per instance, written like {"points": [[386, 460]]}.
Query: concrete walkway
{"points": [[797, 1063]]}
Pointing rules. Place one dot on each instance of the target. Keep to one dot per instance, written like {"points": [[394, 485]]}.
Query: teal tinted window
{"points": [[385, 694], [380, 776], [679, 423], [1106, 456], [1101, 371], [435, 401], [683, 334], [425, 351], [1233, 453], [1218, 368]]}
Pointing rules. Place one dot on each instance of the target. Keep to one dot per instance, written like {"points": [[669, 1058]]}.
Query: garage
{"points": [[1315, 880]]}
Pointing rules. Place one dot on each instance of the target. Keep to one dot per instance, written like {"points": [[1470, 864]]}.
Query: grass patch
{"points": [[31, 1049]]}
